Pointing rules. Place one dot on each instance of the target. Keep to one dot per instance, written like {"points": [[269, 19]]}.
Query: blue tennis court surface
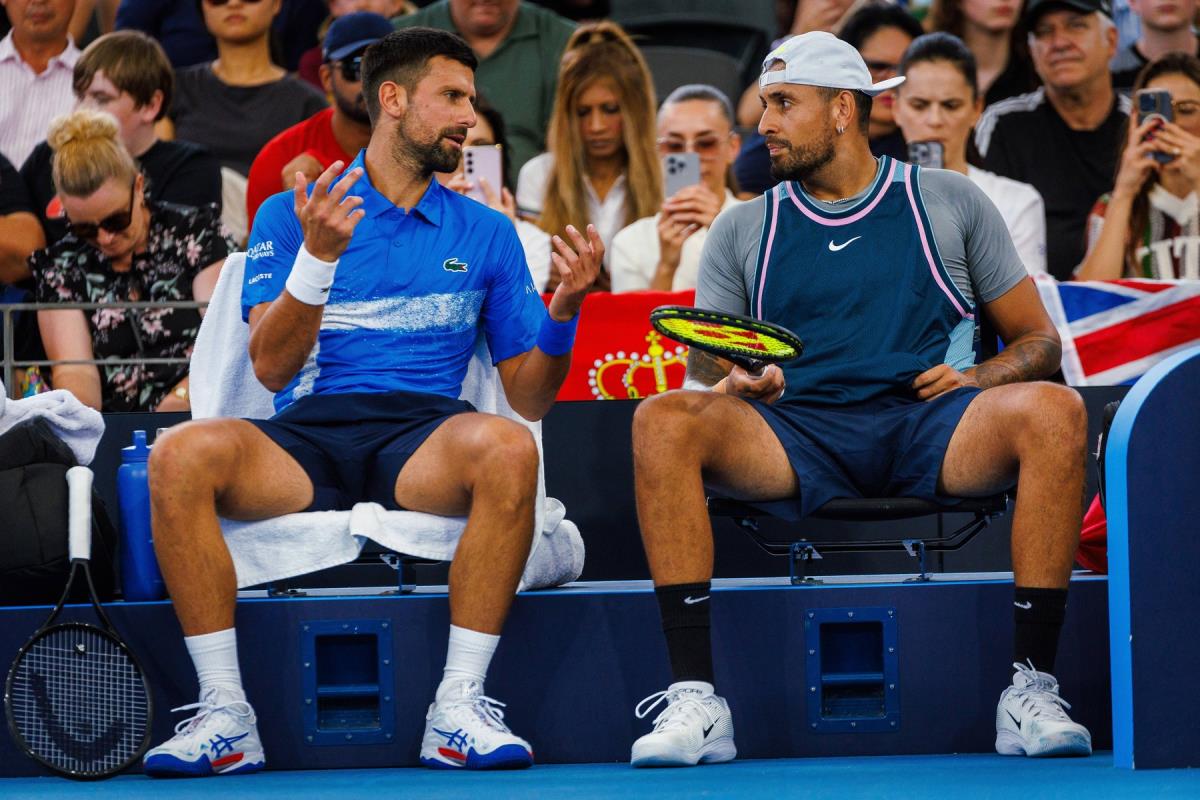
{"points": [[973, 776]]}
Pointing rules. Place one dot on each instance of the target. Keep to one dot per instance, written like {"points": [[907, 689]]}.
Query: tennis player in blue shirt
{"points": [[364, 297]]}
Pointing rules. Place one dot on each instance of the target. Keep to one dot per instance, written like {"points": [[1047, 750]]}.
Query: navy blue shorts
{"points": [[353, 446], [887, 447]]}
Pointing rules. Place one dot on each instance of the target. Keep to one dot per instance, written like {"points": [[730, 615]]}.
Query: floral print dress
{"points": [[182, 241]]}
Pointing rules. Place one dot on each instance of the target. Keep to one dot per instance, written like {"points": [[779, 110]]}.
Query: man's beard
{"points": [[355, 110], [797, 163], [426, 157]]}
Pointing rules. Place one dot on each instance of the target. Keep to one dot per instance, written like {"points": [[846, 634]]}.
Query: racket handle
{"points": [[79, 513]]}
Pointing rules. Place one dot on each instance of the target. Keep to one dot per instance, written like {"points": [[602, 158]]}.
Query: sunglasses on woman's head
{"points": [[113, 223]]}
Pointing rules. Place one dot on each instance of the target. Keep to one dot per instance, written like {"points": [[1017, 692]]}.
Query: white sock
{"points": [[215, 658], [467, 656]]}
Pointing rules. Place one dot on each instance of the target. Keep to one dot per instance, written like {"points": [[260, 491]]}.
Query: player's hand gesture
{"points": [[327, 216], [578, 266]]}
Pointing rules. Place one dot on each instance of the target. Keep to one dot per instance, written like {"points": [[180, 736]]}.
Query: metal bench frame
{"points": [[801, 551]]}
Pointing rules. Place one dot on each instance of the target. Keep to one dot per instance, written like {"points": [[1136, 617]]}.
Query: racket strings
{"points": [[728, 337], [79, 701]]}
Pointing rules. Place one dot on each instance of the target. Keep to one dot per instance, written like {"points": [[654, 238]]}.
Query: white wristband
{"points": [[310, 278]]}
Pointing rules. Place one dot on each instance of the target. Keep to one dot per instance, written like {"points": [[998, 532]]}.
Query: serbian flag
{"points": [[618, 355], [1114, 331]]}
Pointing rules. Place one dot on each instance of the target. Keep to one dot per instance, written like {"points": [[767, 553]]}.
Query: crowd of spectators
{"points": [[131, 167]]}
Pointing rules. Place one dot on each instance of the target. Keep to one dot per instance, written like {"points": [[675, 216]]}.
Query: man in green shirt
{"points": [[519, 46]]}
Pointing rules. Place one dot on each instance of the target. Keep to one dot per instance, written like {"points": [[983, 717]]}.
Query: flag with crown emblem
{"points": [[618, 355], [1113, 332]]}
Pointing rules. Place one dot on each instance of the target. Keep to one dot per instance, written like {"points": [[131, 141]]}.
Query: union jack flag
{"points": [[1114, 331]]}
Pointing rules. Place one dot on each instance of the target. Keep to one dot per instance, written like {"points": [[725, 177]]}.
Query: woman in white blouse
{"points": [[940, 102], [602, 167], [663, 252]]}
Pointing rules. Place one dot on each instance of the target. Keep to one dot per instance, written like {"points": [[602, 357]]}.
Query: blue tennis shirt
{"points": [[409, 296]]}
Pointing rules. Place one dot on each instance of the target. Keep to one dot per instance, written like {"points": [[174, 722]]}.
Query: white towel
{"points": [[223, 385], [79, 426]]}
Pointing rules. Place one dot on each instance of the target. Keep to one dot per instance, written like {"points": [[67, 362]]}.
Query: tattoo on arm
{"points": [[705, 369], [1029, 358]]}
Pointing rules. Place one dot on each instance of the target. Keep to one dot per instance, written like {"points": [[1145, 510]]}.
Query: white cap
{"points": [[821, 59]]}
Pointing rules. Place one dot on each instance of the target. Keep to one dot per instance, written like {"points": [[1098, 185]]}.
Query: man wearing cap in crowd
{"points": [[1076, 119], [881, 268], [333, 134]]}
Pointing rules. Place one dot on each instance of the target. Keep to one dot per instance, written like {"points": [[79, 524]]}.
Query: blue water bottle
{"points": [[140, 578]]}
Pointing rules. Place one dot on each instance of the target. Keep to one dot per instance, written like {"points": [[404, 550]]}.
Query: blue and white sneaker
{"points": [[1031, 720], [464, 729], [221, 739]]}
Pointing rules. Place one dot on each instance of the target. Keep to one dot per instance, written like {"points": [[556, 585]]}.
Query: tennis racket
{"points": [[750, 343], [76, 699]]}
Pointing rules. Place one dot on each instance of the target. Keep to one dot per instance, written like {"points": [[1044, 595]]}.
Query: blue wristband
{"points": [[557, 338]]}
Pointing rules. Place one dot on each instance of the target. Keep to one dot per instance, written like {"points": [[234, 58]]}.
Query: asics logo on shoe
{"points": [[833, 248], [221, 745], [1028, 604], [453, 739], [691, 601]]}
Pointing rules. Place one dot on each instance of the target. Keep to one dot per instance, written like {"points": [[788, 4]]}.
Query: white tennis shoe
{"points": [[695, 728], [1031, 720], [221, 739], [465, 730]]}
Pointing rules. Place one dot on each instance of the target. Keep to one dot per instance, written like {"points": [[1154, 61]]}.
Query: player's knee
{"points": [[665, 418], [1055, 416], [508, 453], [192, 452]]}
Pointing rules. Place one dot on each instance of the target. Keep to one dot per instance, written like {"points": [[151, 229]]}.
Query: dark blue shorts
{"points": [[887, 447], [353, 446]]}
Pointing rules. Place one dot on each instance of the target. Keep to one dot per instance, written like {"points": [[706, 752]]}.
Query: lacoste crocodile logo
{"points": [[454, 265]]}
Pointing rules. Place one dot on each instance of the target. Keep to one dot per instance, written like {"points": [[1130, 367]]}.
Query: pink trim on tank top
{"points": [[762, 281], [937, 276], [815, 217]]}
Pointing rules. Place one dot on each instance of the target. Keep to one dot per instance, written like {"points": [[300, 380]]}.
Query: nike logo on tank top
{"points": [[863, 286]]}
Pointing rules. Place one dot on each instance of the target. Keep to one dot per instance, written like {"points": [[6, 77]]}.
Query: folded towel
{"points": [[223, 385], [76, 424]]}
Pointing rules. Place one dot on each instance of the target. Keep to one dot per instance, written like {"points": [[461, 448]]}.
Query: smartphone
{"points": [[680, 170], [927, 154], [487, 162], [1152, 104]]}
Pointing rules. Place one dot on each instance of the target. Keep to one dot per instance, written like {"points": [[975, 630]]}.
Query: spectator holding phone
{"points": [[988, 29], [602, 168], [489, 131], [1062, 138], [121, 247], [663, 252], [938, 104], [1148, 226]]}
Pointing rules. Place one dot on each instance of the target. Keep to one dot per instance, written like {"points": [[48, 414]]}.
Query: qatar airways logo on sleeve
{"points": [[261, 250]]}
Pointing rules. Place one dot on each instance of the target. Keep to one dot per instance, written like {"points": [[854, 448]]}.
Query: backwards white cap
{"points": [[821, 59]]}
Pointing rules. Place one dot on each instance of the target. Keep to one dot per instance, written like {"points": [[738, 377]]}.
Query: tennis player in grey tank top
{"points": [[939, 432]]}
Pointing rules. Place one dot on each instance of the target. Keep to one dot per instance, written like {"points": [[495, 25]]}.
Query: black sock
{"points": [[685, 621], [1039, 616]]}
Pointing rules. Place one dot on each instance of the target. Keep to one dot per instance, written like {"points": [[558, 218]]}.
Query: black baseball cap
{"points": [[1036, 8], [353, 32]]}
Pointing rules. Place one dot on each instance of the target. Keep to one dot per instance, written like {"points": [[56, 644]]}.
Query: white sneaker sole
{"points": [[1065, 743], [715, 752]]}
